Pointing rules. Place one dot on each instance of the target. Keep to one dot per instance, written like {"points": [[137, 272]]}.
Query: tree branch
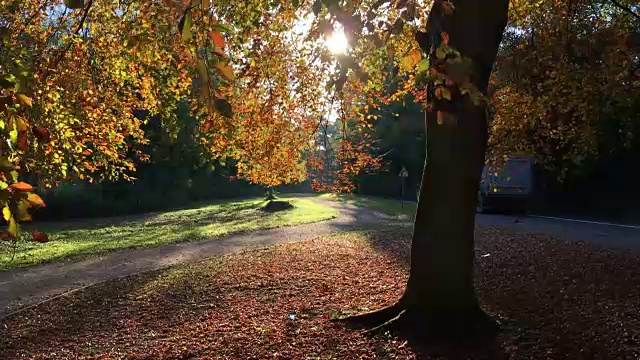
{"points": [[626, 9]]}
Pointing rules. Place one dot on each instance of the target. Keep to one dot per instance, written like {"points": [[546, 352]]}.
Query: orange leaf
{"points": [[21, 186], [445, 38], [35, 200], [225, 70], [217, 39], [40, 237]]}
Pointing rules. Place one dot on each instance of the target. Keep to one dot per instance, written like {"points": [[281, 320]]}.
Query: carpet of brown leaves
{"points": [[557, 299]]}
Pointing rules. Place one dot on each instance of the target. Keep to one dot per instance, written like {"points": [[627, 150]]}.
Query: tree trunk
{"points": [[440, 295], [270, 196], [440, 286]]}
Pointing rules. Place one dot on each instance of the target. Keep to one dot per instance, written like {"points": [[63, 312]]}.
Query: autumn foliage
{"points": [[259, 80], [566, 85]]}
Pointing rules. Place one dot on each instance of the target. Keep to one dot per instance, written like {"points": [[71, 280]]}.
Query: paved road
{"points": [[606, 235]]}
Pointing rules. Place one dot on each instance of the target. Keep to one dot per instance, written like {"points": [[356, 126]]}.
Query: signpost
{"points": [[403, 175]]}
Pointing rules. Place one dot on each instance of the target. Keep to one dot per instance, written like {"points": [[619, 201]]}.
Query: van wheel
{"points": [[480, 205]]}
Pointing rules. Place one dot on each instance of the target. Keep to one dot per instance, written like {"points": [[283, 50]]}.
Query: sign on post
{"points": [[403, 174]]}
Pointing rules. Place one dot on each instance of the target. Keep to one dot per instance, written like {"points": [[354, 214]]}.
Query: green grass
{"points": [[390, 207], [97, 236]]}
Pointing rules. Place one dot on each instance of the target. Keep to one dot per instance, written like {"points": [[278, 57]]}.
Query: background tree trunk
{"points": [[440, 287], [269, 195]]}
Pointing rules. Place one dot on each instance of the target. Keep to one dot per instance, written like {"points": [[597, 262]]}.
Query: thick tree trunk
{"points": [[440, 296], [440, 286]]}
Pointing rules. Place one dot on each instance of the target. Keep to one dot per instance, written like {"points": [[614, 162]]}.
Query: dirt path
{"points": [[23, 287]]}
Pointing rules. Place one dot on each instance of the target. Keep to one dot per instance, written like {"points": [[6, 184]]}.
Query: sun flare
{"points": [[337, 42]]}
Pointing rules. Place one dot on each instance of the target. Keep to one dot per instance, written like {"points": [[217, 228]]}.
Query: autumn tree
{"points": [[277, 103], [566, 88], [344, 147], [74, 73]]}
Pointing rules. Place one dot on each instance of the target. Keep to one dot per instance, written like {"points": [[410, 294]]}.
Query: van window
{"points": [[516, 172]]}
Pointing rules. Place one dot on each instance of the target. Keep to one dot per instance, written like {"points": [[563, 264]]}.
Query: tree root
{"points": [[389, 322], [478, 325], [373, 319]]}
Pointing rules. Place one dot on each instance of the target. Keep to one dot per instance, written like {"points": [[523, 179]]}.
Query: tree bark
{"points": [[440, 286], [440, 296]]}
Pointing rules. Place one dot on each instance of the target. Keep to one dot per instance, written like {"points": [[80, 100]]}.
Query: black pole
{"points": [[402, 192]]}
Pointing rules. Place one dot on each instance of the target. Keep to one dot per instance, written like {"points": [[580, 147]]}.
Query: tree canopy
{"points": [[259, 79]]}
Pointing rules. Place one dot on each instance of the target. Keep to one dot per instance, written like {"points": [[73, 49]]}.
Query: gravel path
{"points": [[23, 287]]}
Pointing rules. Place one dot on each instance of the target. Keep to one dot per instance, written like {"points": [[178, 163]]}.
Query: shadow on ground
{"points": [[27, 286]]}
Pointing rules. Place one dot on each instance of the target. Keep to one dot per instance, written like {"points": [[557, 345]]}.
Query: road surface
{"points": [[613, 236]]}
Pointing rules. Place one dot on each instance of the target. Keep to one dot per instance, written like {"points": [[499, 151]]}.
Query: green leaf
{"points": [[74, 4], [423, 65], [223, 107], [13, 136], [440, 53], [221, 28], [185, 26]]}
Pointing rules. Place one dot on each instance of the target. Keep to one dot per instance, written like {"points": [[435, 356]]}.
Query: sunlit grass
{"points": [[97, 236], [390, 207]]}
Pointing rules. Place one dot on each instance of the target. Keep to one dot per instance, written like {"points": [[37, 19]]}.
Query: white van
{"points": [[507, 188]]}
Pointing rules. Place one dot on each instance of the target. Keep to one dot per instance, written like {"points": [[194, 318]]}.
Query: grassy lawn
{"points": [[390, 207], [277, 303], [108, 234]]}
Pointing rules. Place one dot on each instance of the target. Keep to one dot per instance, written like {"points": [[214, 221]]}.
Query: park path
{"points": [[23, 287]]}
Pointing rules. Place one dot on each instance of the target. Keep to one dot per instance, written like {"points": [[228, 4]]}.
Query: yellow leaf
{"points": [[23, 99], [440, 54], [225, 70], [21, 124], [6, 213], [14, 229], [410, 61]]}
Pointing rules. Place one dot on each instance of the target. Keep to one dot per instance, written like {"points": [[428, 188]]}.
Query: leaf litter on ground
{"points": [[556, 300]]}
